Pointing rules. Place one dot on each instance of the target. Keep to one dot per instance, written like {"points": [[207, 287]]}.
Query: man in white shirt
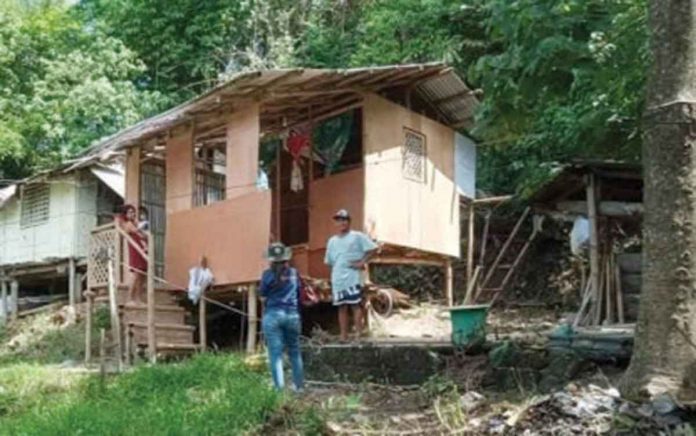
{"points": [[347, 253]]}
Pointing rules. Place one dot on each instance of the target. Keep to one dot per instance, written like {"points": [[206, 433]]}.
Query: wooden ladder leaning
{"points": [[491, 286]]}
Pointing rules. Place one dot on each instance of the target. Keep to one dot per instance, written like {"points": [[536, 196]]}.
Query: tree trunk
{"points": [[664, 356]]}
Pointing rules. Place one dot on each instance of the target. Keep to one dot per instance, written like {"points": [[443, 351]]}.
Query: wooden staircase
{"points": [[173, 334]]}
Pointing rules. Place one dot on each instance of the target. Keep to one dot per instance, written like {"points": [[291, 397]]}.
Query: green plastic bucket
{"points": [[469, 324]]}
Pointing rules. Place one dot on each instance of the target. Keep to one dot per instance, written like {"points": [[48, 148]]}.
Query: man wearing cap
{"points": [[347, 254]]}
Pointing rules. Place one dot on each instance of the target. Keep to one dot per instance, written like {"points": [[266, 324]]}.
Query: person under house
{"points": [[347, 254]]}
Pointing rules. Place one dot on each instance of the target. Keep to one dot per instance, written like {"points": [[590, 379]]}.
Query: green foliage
{"points": [[62, 85], [565, 80], [207, 394]]}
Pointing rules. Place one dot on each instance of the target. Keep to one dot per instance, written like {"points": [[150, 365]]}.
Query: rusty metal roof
{"points": [[435, 83]]}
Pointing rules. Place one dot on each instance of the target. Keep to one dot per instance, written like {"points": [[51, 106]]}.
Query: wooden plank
{"points": [[252, 319], [493, 200], [14, 292], [405, 261], [72, 283], [88, 326], [449, 283], [619, 293], [203, 323], [151, 334], [4, 301], [591, 190], [606, 208], [470, 296], [471, 243], [503, 250], [113, 310]]}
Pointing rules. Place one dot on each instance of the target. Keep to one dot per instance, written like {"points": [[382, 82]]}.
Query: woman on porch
{"points": [[137, 245]]}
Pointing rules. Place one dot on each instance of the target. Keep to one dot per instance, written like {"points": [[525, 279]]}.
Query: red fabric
{"points": [[298, 140], [136, 261], [308, 295]]}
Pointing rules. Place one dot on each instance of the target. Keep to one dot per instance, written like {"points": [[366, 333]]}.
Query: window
{"points": [[209, 176], [35, 204], [413, 156]]}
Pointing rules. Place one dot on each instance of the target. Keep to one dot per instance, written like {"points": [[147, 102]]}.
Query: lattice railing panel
{"points": [[101, 240]]}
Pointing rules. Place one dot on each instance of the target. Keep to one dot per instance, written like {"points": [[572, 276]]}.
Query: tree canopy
{"points": [[560, 79]]}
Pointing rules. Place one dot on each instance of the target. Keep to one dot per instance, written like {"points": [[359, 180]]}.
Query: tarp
{"points": [[113, 176], [465, 165], [6, 194]]}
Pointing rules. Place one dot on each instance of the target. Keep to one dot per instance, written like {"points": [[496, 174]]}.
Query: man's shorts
{"points": [[350, 296]]}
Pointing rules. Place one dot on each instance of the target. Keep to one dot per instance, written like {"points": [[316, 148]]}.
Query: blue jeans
{"points": [[282, 329]]}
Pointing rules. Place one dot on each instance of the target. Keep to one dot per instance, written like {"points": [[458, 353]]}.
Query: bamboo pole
{"points": [[251, 335], [151, 334], [619, 293], [503, 250], [3, 300], [470, 243], [591, 193], [471, 286], [484, 238], [14, 300], [88, 326], [609, 273], [113, 309], [127, 337], [202, 323], [449, 283], [71, 283], [102, 353]]}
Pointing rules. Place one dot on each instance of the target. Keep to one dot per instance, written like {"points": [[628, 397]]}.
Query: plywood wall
{"points": [[232, 234], [422, 215]]}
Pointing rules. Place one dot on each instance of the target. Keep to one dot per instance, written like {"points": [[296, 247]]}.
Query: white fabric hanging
{"points": [[199, 280], [296, 182]]}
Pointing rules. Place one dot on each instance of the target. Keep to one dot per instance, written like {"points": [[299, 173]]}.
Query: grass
{"points": [[208, 394]]}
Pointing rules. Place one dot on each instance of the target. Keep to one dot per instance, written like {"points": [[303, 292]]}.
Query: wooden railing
{"points": [[106, 270]]}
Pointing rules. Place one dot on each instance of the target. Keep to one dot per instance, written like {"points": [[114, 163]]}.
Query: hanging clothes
{"points": [[199, 280], [299, 139]]}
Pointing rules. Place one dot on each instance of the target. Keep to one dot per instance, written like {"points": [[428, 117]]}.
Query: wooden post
{"points": [[14, 299], [113, 309], [4, 301], [594, 241], [470, 244], [88, 327], [252, 316], [619, 293], [449, 283], [151, 334], [102, 353], [203, 323], [471, 294], [127, 338], [72, 283]]}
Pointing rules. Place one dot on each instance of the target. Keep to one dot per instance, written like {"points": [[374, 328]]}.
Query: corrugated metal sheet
{"points": [[436, 83]]}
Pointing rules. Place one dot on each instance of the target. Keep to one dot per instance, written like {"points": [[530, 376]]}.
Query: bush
{"points": [[209, 394]]}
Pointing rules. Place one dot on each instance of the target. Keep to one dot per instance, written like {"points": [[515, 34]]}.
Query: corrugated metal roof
{"points": [[436, 83]]}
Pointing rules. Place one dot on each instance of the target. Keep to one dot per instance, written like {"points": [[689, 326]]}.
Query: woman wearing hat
{"points": [[280, 288]]}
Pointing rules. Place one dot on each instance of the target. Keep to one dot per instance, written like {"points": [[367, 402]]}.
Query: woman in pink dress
{"points": [[137, 263]]}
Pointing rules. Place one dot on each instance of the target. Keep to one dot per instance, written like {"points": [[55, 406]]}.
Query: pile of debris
{"points": [[578, 409]]}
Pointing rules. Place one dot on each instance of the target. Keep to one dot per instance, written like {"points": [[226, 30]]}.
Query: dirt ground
{"points": [[432, 322]]}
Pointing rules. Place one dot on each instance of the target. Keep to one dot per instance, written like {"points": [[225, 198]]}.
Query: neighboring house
{"points": [[45, 223], [380, 142]]}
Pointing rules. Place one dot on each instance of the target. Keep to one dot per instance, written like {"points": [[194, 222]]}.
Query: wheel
{"points": [[382, 303]]}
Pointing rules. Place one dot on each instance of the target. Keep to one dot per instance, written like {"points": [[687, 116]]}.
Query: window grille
{"points": [[209, 187], [413, 156], [35, 205]]}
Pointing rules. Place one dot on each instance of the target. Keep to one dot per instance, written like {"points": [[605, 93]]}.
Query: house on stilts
{"points": [[45, 225], [271, 155]]}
